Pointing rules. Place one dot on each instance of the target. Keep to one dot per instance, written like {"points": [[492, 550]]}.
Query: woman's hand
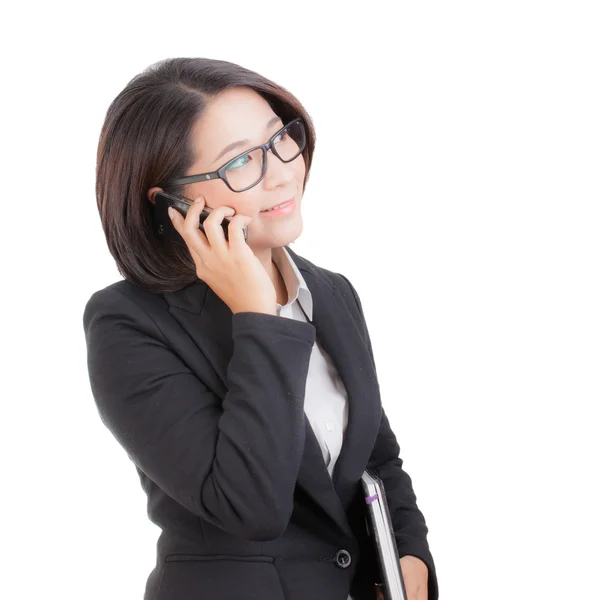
{"points": [[230, 268], [414, 573]]}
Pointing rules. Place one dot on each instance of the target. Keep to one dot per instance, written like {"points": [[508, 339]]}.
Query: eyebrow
{"points": [[243, 142]]}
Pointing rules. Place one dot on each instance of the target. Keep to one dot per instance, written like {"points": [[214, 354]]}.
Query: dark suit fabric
{"points": [[209, 406]]}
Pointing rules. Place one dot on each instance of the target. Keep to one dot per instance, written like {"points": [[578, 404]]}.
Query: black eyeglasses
{"points": [[247, 169]]}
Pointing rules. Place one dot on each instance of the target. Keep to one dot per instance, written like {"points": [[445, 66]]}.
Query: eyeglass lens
{"points": [[246, 170]]}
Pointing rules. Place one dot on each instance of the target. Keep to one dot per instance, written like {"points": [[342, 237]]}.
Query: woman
{"points": [[238, 376]]}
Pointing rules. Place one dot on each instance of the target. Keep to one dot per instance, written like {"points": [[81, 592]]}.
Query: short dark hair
{"points": [[145, 142]]}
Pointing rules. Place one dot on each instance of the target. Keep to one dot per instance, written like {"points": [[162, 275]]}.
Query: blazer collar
{"points": [[207, 320]]}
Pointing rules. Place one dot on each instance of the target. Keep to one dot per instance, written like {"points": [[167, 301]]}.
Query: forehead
{"points": [[234, 114]]}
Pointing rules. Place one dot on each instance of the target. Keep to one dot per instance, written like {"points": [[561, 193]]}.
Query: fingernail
{"points": [[199, 199], [171, 212]]}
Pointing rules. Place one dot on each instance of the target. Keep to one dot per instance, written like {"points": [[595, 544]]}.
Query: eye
{"points": [[238, 163], [280, 137]]}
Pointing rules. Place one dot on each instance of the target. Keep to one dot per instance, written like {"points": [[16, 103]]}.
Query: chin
{"points": [[283, 235], [293, 233]]}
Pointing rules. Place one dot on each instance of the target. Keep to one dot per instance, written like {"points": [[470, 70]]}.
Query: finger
{"points": [[412, 591], [176, 218], [235, 231], [190, 229], [214, 230]]}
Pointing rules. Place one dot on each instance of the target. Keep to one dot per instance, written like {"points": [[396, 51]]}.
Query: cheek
{"points": [[251, 202], [208, 189], [223, 196], [301, 170], [216, 194]]}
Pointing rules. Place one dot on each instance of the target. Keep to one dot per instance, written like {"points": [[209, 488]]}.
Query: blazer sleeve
{"points": [[233, 462], [408, 521]]}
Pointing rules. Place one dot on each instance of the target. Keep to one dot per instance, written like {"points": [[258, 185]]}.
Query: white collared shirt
{"points": [[326, 399]]}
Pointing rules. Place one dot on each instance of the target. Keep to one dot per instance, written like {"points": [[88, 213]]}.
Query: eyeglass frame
{"points": [[220, 173]]}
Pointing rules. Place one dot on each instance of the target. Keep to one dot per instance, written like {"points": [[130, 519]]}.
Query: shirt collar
{"points": [[294, 282]]}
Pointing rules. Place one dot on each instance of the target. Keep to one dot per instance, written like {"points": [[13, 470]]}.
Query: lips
{"points": [[280, 205]]}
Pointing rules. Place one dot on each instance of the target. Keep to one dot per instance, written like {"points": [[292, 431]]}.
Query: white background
{"points": [[456, 184]]}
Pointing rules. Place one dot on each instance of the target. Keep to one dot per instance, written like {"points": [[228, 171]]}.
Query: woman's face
{"points": [[241, 114]]}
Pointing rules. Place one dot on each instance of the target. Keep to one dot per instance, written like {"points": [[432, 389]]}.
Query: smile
{"points": [[281, 209]]}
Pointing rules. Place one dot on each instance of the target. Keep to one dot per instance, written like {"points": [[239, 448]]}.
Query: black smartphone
{"points": [[162, 222]]}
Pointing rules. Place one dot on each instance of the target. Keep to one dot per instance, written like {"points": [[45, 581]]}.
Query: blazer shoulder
{"points": [[124, 300], [124, 292]]}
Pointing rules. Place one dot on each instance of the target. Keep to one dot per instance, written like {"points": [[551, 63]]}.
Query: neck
{"points": [[265, 256]]}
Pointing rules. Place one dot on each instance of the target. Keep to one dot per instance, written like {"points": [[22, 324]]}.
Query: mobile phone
{"points": [[163, 226]]}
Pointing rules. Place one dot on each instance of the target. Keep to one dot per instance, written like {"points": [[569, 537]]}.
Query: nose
{"points": [[278, 173]]}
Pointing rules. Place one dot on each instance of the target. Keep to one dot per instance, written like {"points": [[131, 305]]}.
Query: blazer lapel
{"points": [[207, 320], [338, 333]]}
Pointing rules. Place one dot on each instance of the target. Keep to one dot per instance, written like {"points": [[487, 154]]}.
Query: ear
{"points": [[150, 193]]}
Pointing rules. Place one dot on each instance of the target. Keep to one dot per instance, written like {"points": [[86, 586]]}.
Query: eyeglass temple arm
{"points": [[195, 178]]}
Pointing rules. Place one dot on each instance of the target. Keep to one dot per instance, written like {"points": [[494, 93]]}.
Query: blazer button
{"points": [[342, 559]]}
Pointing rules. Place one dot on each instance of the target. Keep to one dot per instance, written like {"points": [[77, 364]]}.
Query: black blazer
{"points": [[209, 406]]}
